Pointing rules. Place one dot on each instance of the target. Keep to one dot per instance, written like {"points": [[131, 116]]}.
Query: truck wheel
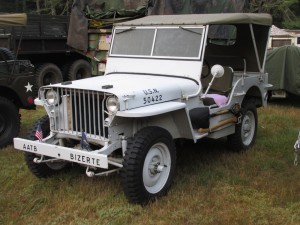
{"points": [[9, 121], [43, 170], [6, 54], [48, 73], [80, 69], [149, 165], [65, 69], [245, 132]]}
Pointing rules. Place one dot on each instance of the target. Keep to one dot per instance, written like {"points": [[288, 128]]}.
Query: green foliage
{"points": [[53, 7], [292, 24], [212, 184], [285, 13]]}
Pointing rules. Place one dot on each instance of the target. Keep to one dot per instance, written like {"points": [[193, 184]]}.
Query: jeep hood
{"points": [[135, 91]]}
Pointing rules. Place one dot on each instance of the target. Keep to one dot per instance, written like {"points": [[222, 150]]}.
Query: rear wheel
{"points": [[245, 132], [9, 121], [80, 69], [48, 73], [149, 165], [43, 170]]}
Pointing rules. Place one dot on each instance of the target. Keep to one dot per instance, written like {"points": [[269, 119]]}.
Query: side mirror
{"points": [[217, 71]]}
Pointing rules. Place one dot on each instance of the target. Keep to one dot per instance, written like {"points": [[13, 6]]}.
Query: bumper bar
{"points": [[59, 152]]}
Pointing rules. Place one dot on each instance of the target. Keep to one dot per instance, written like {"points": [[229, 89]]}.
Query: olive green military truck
{"points": [[16, 85]]}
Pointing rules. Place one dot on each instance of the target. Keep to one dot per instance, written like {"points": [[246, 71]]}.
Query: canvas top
{"points": [[16, 19], [202, 19]]}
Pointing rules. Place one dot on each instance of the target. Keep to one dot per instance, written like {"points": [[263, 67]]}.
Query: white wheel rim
{"points": [[156, 168], [248, 128]]}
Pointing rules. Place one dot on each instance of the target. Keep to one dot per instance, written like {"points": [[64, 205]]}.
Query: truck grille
{"points": [[80, 110]]}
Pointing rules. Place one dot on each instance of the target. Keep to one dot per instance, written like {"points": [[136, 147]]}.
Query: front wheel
{"points": [[245, 132], [43, 170], [149, 165]]}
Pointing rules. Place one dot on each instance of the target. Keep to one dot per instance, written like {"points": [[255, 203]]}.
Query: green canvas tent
{"points": [[283, 66]]}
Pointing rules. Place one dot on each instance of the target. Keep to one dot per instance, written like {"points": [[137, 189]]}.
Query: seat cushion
{"points": [[220, 100]]}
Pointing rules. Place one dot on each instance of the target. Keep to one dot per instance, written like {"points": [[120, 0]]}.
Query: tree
{"points": [[283, 11], [53, 7]]}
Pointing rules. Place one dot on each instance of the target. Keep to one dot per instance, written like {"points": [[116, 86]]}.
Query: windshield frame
{"points": [[156, 28]]}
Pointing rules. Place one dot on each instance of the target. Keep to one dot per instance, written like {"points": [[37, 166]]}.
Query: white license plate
{"points": [[60, 152]]}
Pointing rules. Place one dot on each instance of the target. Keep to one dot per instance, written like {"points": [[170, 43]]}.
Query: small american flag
{"points": [[39, 133]]}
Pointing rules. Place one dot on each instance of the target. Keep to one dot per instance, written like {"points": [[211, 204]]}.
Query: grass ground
{"points": [[212, 185]]}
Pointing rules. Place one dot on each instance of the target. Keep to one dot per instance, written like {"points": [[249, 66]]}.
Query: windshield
{"points": [[162, 42]]}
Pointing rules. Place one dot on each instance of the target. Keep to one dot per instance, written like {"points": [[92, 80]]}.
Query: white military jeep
{"points": [[167, 78]]}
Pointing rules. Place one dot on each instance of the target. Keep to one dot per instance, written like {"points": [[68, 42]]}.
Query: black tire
{"points": [[43, 170], [80, 69], [48, 73], [245, 131], [65, 69], [142, 181], [269, 96], [9, 122], [6, 54]]}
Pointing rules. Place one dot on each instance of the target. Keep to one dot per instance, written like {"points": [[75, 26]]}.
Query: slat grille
{"points": [[80, 110]]}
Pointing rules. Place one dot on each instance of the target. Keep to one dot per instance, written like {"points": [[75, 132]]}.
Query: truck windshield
{"points": [[162, 42]]}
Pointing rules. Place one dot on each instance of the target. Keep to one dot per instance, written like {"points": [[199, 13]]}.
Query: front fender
{"points": [[172, 116]]}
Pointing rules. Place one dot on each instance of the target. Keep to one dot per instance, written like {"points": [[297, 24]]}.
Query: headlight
{"points": [[51, 97], [112, 104]]}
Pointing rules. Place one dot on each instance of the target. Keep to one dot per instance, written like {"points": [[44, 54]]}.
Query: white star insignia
{"points": [[28, 87]]}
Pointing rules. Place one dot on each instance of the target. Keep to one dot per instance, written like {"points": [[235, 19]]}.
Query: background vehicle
{"points": [[283, 67], [43, 41], [91, 21], [17, 88], [157, 88]]}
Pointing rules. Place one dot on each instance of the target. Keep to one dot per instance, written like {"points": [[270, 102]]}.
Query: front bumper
{"points": [[93, 159]]}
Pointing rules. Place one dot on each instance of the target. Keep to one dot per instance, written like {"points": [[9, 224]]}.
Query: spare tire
{"points": [[6, 54], [80, 69], [48, 73]]}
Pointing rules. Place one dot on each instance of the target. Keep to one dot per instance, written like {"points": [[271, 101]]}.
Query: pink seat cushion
{"points": [[220, 100]]}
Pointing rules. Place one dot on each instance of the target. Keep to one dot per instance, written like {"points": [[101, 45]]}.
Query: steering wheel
{"points": [[205, 69]]}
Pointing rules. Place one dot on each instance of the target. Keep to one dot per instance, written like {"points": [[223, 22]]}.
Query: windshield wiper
{"points": [[189, 30], [119, 31]]}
